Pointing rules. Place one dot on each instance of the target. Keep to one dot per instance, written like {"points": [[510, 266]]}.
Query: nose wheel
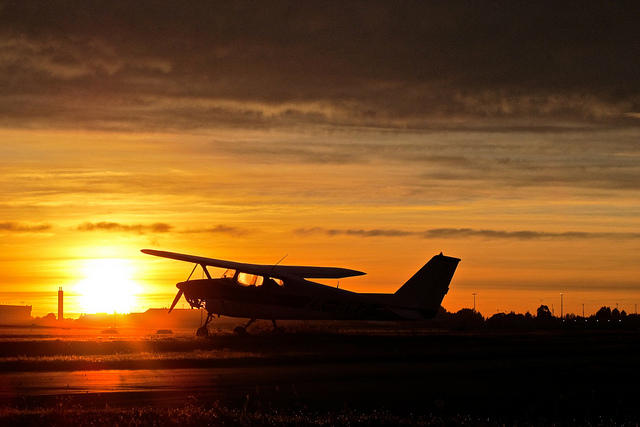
{"points": [[276, 329], [203, 331]]}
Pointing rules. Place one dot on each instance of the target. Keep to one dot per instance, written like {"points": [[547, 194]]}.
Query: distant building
{"points": [[15, 314]]}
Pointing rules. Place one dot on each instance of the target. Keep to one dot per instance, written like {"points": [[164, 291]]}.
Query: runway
{"points": [[313, 380]]}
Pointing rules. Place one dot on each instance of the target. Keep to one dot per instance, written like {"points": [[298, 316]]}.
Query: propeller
{"points": [[180, 292], [175, 300]]}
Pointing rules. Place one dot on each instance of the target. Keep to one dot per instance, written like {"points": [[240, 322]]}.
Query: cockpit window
{"points": [[244, 279], [249, 279]]}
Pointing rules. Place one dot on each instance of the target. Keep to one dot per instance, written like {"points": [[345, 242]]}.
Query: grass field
{"points": [[199, 415]]}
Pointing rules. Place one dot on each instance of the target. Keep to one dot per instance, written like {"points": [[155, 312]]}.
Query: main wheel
{"points": [[202, 332]]}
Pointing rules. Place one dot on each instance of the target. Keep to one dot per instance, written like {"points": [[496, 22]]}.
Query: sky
{"points": [[367, 135]]}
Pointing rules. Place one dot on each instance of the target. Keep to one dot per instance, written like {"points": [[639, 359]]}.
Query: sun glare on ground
{"points": [[107, 287]]}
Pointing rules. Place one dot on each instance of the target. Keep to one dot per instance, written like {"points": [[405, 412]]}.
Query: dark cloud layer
{"points": [[435, 233], [158, 227], [158, 65], [23, 228]]}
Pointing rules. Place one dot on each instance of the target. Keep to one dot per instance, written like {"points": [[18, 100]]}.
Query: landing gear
{"points": [[242, 330], [276, 328], [203, 331]]}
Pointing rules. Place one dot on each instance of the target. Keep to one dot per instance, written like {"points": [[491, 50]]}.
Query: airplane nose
{"points": [[179, 285]]}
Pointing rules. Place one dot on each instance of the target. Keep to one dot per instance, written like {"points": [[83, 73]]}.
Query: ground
{"points": [[336, 374]]}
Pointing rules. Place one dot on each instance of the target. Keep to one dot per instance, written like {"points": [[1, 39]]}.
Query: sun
{"points": [[108, 286]]}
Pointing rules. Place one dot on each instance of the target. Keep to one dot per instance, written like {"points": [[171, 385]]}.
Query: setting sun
{"points": [[108, 286]]}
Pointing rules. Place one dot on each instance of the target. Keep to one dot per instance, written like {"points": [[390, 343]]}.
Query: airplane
{"points": [[283, 292]]}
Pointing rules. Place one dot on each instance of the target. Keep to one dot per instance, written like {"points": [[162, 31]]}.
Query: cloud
{"points": [[436, 233], [524, 234], [219, 229], [355, 232], [597, 159], [158, 227], [16, 227]]}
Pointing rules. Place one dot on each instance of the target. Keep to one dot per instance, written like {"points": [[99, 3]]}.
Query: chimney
{"points": [[60, 304]]}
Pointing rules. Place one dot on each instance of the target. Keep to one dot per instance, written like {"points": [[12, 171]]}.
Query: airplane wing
{"points": [[277, 271]]}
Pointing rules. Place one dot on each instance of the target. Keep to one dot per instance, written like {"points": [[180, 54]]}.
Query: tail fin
{"points": [[426, 289]]}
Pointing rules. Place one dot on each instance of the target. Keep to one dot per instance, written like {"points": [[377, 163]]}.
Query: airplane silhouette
{"points": [[279, 292]]}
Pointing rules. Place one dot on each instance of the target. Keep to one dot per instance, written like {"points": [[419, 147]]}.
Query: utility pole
{"points": [[561, 306], [583, 310], [474, 301]]}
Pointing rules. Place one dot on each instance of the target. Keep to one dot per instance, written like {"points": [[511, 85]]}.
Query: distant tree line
{"points": [[604, 318]]}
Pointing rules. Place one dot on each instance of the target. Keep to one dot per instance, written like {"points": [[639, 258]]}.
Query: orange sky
{"points": [[363, 138], [74, 196]]}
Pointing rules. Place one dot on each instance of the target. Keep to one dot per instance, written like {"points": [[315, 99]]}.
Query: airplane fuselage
{"points": [[226, 297]]}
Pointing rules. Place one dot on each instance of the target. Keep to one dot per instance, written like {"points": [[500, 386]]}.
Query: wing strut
{"points": [[191, 274], [204, 268]]}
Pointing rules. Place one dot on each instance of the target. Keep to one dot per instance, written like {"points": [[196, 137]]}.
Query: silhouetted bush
{"points": [[466, 319], [604, 314], [511, 321], [543, 312]]}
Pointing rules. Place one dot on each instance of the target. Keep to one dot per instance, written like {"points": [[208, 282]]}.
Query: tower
{"points": [[60, 304]]}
